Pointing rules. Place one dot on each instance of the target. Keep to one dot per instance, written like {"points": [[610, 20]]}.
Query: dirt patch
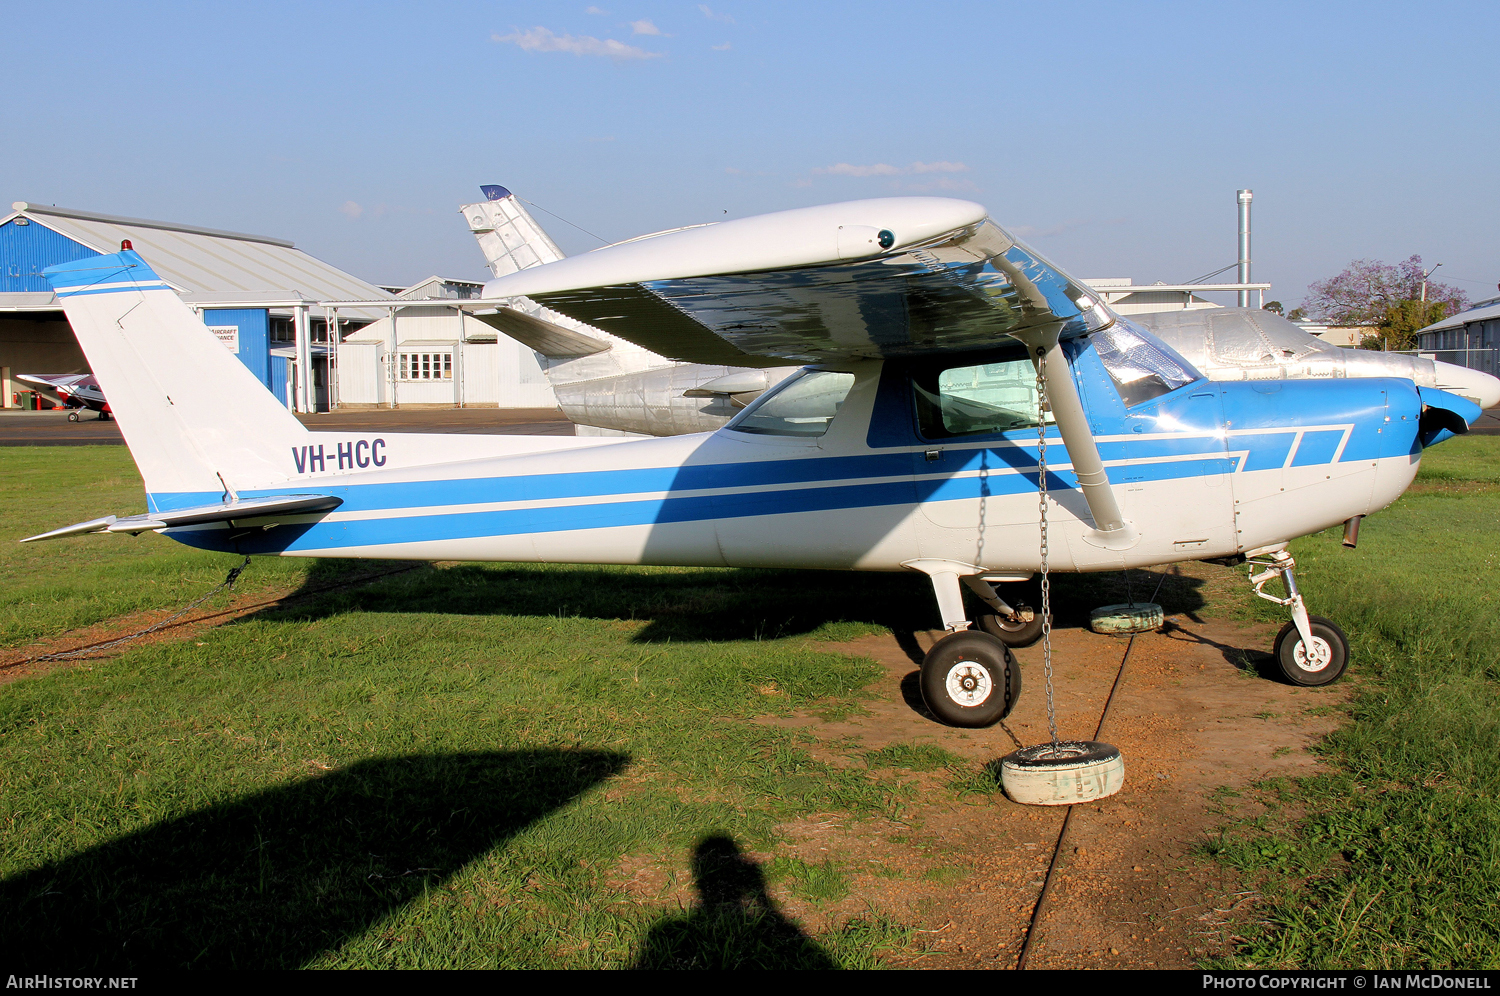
{"points": [[1196, 720], [82, 645]]}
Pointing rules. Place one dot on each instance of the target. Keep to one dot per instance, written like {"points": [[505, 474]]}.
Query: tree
{"points": [[1399, 326], [1367, 289], [1274, 306]]}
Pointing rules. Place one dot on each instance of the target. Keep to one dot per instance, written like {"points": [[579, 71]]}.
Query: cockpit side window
{"points": [[803, 405], [969, 400], [1141, 365]]}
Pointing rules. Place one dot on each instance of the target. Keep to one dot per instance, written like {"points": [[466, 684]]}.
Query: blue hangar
{"points": [[256, 292]]}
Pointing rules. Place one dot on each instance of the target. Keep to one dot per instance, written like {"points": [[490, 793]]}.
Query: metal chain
{"points": [[95, 648], [1041, 483]]}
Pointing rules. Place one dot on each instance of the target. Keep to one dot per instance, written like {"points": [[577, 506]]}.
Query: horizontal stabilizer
{"points": [[245, 508], [739, 382], [545, 337]]}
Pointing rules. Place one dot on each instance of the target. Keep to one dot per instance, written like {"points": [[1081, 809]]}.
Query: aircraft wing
{"points": [[244, 508], [897, 276]]}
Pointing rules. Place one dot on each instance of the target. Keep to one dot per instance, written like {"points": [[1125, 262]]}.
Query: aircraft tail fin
{"points": [[195, 418], [509, 237]]}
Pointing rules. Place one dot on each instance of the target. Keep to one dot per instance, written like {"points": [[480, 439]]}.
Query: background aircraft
{"points": [[606, 384], [73, 391], [914, 437]]}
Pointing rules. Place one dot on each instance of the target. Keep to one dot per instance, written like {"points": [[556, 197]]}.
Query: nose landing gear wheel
{"points": [[1319, 665], [72, 416], [970, 679]]}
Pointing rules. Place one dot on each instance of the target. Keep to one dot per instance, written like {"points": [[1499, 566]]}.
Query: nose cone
{"points": [[1477, 386]]}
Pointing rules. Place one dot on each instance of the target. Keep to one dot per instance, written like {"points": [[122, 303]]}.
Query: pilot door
{"points": [[1161, 439]]}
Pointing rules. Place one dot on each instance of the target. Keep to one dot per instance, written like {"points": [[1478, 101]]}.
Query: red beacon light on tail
{"points": [[125, 245]]}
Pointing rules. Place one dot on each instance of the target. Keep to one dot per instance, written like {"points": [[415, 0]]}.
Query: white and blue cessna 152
{"points": [[947, 371]]}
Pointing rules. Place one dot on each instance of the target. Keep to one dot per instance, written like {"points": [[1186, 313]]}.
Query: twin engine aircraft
{"points": [[945, 372]]}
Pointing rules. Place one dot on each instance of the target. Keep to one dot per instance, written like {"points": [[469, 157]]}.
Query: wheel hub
{"points": [[969, 684], [1320, 656]]}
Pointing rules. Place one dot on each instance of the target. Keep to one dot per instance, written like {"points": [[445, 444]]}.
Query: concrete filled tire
{"points": [[1074, 771], [1326, 662], [970, 679]]}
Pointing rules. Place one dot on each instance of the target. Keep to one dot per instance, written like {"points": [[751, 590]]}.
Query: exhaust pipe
{"points": [[1351, 531]]}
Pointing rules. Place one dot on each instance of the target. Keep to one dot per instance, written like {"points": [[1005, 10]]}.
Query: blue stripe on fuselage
{"points": [[1009, 465]]}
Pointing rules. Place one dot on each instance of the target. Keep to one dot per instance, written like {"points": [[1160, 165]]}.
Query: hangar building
{"points": [[272, 304], [1470, 338]]}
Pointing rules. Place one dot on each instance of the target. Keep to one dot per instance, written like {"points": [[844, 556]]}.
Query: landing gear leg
{"points": [[1015, 626], [1310, 650], [969, 677]]}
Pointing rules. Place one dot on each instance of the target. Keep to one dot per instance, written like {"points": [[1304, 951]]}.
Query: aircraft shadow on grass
{"points": [[716, 604], [272, 879]]}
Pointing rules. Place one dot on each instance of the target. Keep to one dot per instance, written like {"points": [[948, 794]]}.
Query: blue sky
{"points": [[1111, 136]]}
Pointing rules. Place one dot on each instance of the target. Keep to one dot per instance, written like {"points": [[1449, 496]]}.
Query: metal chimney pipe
{"points": [[1243, 197]]}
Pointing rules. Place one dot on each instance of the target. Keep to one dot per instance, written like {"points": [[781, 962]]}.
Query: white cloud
{"points": [[542, 40], [351, 209], [720, 48], [1033, 232], [713, 15], [948, 183], [885, 169], [644, 27], [596, 10]]}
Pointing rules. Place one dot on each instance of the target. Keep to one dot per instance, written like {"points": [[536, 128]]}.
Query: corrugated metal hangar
{"points": [[272, 304]]}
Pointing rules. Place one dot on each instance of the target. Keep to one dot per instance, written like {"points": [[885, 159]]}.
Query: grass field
{"points": [[66, 584], [1392, 860], [451, 767]]}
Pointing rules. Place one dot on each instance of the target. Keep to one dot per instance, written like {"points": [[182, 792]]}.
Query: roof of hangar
{"points": [[1463, 318], [207, 261]]}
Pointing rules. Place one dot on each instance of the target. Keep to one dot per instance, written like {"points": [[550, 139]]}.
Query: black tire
{"points": [[976, 661], [1010, 632], [72, 416], [1289, 643]]}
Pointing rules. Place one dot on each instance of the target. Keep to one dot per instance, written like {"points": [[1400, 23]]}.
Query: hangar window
{"points": [[424, 366], [989, 397]]}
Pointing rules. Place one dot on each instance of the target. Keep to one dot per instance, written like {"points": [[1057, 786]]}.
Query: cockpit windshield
{"points": [[1141, 365]]}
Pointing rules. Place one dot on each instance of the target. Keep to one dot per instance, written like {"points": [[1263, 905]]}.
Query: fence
{"points": [[1474, 359]]}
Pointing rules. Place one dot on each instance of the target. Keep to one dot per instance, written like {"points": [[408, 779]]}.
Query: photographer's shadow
{"points": [[735, 924]]}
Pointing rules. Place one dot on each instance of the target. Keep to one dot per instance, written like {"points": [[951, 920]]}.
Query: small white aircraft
{"points": [[914, 437], [78, 392]]}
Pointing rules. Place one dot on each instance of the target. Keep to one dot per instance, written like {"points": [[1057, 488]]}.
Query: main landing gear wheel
{"points": [[970, 679], [1321, 665], [1011, 632], [72, 416], [1062, 774]]}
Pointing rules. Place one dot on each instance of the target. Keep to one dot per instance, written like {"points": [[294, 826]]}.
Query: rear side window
{"points": [[987, 398], [804, 405]]}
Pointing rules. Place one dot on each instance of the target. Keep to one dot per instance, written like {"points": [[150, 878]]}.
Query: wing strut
{"points": [[1111, 530]]}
